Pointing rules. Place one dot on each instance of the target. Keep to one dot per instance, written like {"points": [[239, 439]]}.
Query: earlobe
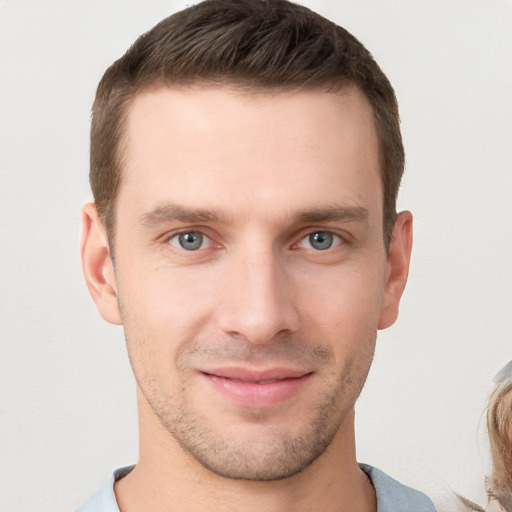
{"points": [[399, 258], [97, 265]]}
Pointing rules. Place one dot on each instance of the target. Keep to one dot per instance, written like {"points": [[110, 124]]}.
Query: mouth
{"points": [[256, 388]]}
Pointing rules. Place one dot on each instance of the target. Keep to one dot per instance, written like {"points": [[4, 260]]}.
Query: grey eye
{"points": [[191, 241], [321, 240]]}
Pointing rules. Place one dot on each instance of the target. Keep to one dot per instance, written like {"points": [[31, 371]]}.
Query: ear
{"points": [[97, 265], [399, 258]]}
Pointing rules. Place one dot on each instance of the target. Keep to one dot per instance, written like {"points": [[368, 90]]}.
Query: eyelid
{"points": [[341, 238], [337, 239], [324, 229], [205, 241], [174, 234]]}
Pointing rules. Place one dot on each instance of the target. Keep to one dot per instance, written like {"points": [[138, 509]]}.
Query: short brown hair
{"points": [[259, 44]]}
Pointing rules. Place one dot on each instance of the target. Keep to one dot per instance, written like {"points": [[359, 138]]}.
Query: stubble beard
{"points": [[271, 453], [266, 452]]}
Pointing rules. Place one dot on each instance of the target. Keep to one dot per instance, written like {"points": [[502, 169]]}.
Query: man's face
{"points": [[250, 270]]}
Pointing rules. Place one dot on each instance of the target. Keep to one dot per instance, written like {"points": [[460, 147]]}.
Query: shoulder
{"points": [[104, 499], [392, 496]]}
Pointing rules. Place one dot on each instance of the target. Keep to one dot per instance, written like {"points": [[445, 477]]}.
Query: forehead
{"points": [[226, 149]]}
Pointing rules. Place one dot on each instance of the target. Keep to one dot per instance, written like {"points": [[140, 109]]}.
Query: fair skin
{"points": [[251, 277]]}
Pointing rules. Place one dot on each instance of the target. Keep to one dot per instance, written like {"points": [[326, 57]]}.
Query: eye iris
{"points": [[191, 241], [321, 240]]}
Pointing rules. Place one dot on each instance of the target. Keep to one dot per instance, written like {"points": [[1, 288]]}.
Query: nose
{"points": [[257, 298]]}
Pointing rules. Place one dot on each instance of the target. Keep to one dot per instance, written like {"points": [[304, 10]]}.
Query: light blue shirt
{"points": [[392, 496]]}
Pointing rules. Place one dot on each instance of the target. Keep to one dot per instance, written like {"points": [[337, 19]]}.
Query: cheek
{"points": [[166, 299], [345, 308], [162, 312], [346, 293]]}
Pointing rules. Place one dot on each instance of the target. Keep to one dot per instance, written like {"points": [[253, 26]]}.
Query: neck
{"points": [[167, 478]]}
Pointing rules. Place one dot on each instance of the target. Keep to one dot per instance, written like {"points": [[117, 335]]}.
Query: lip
{"points": [[255, 387]]}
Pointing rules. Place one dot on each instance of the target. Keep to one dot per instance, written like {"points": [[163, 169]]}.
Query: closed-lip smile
{"points": [[258, 388]]}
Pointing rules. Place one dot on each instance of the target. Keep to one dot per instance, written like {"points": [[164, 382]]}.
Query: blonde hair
{"points": [[499, 426]]}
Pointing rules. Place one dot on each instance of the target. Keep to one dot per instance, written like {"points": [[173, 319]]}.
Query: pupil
{"points": [[321, 240], [191, 241]]}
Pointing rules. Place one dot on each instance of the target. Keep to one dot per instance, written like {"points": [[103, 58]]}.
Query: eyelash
{"points": [[336, 240], [177, 236], [321, 237]]}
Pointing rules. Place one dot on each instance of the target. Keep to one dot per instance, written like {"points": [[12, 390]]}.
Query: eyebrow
{"points": [[169, 212], [334, 213]]}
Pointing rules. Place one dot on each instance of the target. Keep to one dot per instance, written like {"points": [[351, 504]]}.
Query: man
{"points": [[245, 163]]}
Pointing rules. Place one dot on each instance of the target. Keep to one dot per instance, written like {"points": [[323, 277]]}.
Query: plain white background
{"points": [[67, 400]]}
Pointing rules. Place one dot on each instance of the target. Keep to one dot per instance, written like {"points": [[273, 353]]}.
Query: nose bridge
{"points": [[256, 303]]}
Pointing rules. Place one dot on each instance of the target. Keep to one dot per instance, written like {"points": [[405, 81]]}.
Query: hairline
{"points": [[239, 86]]}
